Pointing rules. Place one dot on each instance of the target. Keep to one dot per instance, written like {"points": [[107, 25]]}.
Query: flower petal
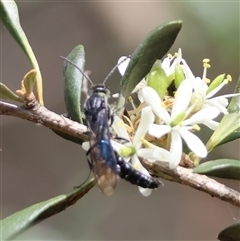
{"points": [[147, 118], [145, 191], [140, 85], [211, 124], [205, 114], [215, 90], [220, 107], [158, 130], [187, 71], [200, 86], [117, 145], [156, 153], [175, 149], [151, 97], [193, 142], [138, 165], [86, 145], [165, 64], [182, 98], [123, 66], [119, 127]]}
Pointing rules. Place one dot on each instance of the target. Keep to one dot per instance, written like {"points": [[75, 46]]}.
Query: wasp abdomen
{"points": [[127, 172]]}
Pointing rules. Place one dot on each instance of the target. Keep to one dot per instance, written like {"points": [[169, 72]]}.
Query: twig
{"points": [[202, 183], [36, 113], [39, 114]]}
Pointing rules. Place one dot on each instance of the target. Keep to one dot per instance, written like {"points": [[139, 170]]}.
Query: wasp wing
{"points": [[103, 159]]}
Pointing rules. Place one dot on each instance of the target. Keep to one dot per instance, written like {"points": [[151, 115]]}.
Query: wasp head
{"points": [[101, 90]]}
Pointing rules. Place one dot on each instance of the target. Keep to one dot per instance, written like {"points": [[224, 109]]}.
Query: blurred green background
{"points": [[37, 164]]}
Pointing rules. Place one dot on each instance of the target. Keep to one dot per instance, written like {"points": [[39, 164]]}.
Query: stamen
{"points": [[137, 110], [207, 80], [136, 122], [206, 60], [225, 81], [168, 103], [126, 119], [196, 127], [229, 77], [169, 56], [147, 143], [130, 99], [206, 65]]}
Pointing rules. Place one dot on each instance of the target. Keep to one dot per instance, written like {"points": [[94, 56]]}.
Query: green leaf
{"points": [[234, 105], [73, 79], [23, 220], [224, 168], [233, 136], [156, 44], [229, 124], [10, 18], [29, 81], [6, 93], [231, 233]]}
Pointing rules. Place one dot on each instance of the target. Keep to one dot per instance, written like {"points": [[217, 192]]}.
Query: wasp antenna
{"points": [[114, 68], [69, 61]]}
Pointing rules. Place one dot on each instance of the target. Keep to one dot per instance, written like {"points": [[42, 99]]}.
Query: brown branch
{"points": [[39, 114], [202, 183], [36, 113]]}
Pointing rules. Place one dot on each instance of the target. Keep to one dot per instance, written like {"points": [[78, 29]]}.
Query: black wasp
{"points": [[104, 161]]}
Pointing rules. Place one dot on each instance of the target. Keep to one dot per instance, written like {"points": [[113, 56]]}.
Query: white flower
{"points": [[176, 123], [203, 93], [147, 118]]}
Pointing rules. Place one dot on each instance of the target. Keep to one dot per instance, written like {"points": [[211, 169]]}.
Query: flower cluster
{"points": [[165, 118], [173, 103]]}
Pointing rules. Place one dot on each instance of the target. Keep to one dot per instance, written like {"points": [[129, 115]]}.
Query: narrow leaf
{"points": [[234, 105], [19, 222], [27, 84], [156, 44], [224, 168], [73, 79], [231, 233], [29, 81], [10, 18], [233, 136], [229, 124], [6, 93]]}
